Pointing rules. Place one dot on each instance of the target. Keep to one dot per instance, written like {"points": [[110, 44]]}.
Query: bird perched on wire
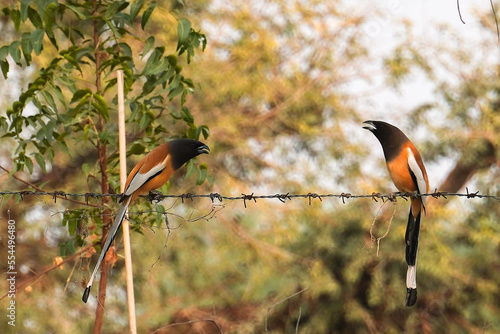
{"points": [[408, 173], [152, 172]]}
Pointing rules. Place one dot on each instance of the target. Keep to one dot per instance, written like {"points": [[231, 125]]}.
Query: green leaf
{"points": [[42, 4], [211, 180], [103, 136], [35, 18], [190, 168], [205, 131], [58, 93], [86, 130], [101, 106], [183, 29], [49, 99], [52, 40], [24, 9], [136, 149], [202, 130], [4, 51], [70, 57], [49, 130], [116, 32], [15, 16], [18, 199], [26, 47], [154, 61], [15, 53], [115, 8], [40, 136], [78, 11], [71, 247], [174, 92], [72, 226], [172, 60], [17, 106], [49, 17], [4, 64], [148, 45], [135, 7], [144, 121], [29, 164], [6, 198], [191, 133], [79, 94], [84, 100], [37, 40], [202, 174], [41, 162], [147, 14], [187, 116], [126, 51], [175, 82], [110, 84]]}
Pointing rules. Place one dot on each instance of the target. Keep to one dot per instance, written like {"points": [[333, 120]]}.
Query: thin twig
{"points": [[459, 13], [496, 21], [298, 321], [279, 302], [372, 237], [69, 277]]}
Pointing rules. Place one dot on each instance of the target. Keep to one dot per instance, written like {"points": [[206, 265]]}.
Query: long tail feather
{"points": [[411, 240], [109, 239]]}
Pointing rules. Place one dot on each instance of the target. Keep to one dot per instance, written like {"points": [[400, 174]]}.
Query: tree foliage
{"points": [[68, 110]]}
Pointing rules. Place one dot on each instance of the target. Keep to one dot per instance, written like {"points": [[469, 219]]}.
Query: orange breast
{"points": [[400, 174], [399, 171]]}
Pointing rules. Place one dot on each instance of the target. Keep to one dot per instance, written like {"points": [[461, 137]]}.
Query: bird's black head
{"points": [[389, 136], [183, 150]]}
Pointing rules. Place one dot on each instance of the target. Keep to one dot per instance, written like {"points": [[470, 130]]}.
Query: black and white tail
{"points": [[411, 240], [109, 239]]}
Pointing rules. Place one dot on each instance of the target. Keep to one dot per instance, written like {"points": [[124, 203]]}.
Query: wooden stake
{"points": [[125, 224]]}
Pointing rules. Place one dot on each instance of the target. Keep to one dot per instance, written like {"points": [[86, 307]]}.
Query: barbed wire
{"points": [[156, 196]]}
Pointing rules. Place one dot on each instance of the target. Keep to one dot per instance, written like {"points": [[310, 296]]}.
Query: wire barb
{"points": [[283, 197], [247, 198], [471, 195], [214, 196], [343, 196], [154, 196], [313, 195], [376, 195], [58, 193]]}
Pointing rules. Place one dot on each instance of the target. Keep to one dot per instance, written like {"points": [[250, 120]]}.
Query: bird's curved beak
{"points": [[204, 149], [369, 126]]}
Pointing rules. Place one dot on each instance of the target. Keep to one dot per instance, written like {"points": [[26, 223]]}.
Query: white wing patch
{"points": [[139, 178], [415, 168]]}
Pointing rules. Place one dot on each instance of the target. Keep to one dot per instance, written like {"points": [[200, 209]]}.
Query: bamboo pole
{"points": [[125, 224]]}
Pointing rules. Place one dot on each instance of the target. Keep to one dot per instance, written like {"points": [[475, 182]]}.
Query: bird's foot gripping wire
{"points": [[392, 196]]}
